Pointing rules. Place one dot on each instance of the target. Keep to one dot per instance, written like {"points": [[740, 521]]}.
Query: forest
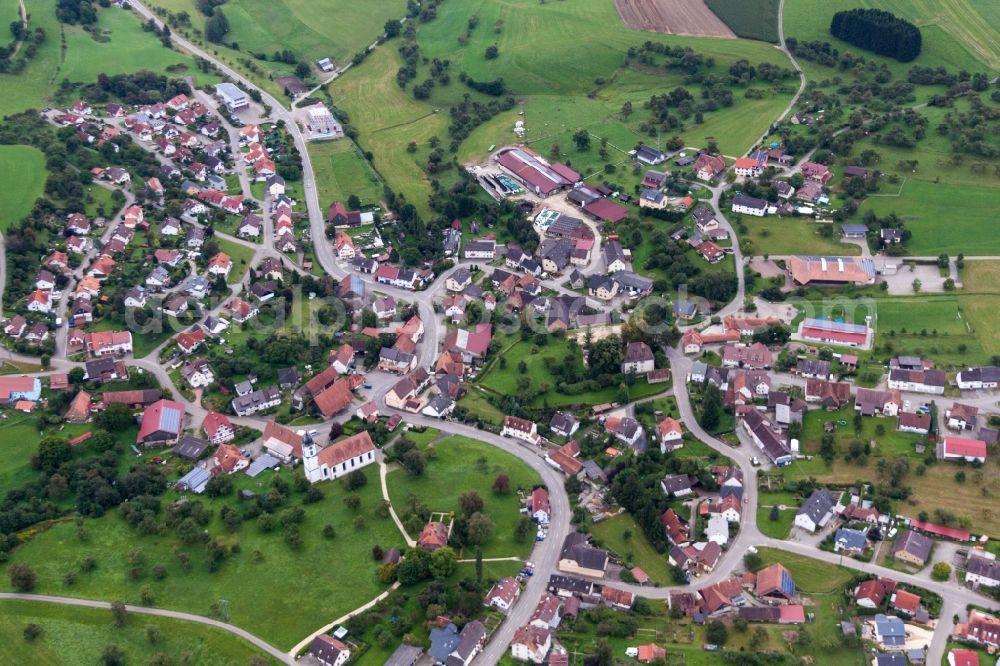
{"points": [[878, 31]]}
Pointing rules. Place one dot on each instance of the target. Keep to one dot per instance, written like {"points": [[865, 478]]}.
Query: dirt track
{"points": [[675, 17]]}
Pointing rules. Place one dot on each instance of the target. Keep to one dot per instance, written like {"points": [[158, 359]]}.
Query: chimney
{"points": [[840, 264], [822, 263]]}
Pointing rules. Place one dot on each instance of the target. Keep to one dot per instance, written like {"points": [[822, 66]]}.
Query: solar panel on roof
{"points": [[841, 326], [170, 419], [265, 462]]}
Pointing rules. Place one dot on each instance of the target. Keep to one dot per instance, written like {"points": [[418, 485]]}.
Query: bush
{"points": [[22, 577], [941, 571], [716, 633]]}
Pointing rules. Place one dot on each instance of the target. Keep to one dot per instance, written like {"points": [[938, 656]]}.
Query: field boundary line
{"points": [[897, 194]]}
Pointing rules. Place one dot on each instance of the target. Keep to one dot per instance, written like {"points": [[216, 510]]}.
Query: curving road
{"points": [[158, 612]]}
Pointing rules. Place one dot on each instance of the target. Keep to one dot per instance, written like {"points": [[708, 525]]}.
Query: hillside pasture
{"points": [[558, 91], [956, 34], [342, 171], [273, 590], [123, 48]]}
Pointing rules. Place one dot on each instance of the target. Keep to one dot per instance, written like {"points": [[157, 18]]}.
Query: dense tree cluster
{"points": [[216, 27], [878, 31], [142, 87], [495, 88], [76, 12]]}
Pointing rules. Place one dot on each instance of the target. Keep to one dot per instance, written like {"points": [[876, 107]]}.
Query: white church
{"points": [[337, 459]]}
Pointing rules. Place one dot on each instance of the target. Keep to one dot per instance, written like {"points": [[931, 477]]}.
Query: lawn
{"points": [[778, 529], [981, 277], [277, 594], [20, 436], [777, 236], [455, 466], [984, 318], [938, 326], [77, 637], [636, 550], [388, 118], [752, 20], [538, 360], [341, 170], [811, 576], [955, 33], [477, 404], [892, 444], [929, 211], [241, 256], [99, 203], [24, 171]]}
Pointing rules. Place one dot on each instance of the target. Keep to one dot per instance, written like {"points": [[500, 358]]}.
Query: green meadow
{"points": [[956, 34], [341, 170], [23, 169], [334, 29], [124, 48], [273, 590], [73, 636], [456, 465], [558, 90]]}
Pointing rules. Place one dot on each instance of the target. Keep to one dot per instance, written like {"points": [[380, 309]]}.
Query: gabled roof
{"points": [[345, 449]]}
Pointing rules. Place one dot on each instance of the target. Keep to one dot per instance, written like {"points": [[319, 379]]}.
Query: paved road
{"points": [[159, 612], [546, 553]]}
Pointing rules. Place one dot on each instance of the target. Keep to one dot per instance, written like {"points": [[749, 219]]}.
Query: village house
{"points": [[817, 510], [767, 436], [256, 401], [746, 205], [638, 359], [919, 381], [521, 429], [912, 547], [709, 167], [580, 558], [218, 428], [503, 595], [669, 433], [962, 417], [564, 424]]}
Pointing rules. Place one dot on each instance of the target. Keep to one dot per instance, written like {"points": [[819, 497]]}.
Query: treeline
{"points": [[683, 58], [878, 31], [495, 88], [142, 87], [469, 114]]}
